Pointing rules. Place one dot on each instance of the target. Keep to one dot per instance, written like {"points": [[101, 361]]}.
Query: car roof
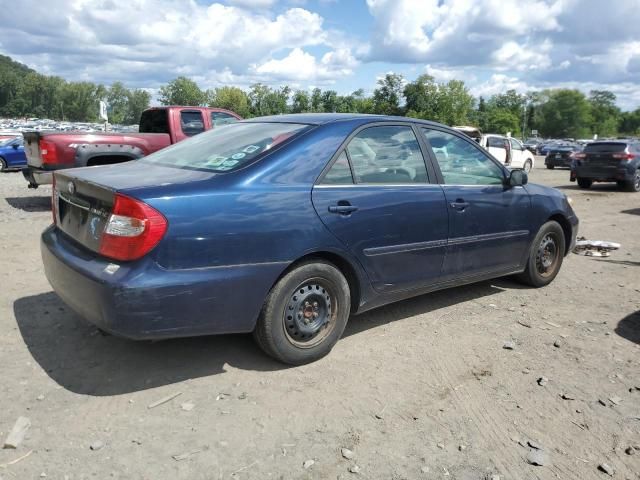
{"points": [[324, 118]]}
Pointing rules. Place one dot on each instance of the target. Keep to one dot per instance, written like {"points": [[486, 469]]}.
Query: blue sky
{"points": [[493, 45]]}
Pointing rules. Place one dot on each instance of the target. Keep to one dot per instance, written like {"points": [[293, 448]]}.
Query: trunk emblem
{"points": [[72, 188]]}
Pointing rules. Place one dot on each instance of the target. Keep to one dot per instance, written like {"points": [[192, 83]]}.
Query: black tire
{"points": [[584, 182], [633, 185], [304, 314], [550, 167], [545, 256], [3, 165], [527, 166]]}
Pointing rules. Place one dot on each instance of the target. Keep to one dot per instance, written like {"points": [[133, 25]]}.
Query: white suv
{"points": [[509, 151]]}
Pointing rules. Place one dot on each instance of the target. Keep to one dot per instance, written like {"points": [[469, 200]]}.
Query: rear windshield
{"points": [[605, 147], [226, 148], [154, 121]]}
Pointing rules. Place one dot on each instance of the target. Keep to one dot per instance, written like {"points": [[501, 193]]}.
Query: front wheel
{"points": [[545, 256], [584, 182], [3, 165], [527, 166], [305, 313]]}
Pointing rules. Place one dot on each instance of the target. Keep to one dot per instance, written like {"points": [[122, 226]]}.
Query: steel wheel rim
{"points": [[310, 313], [637, 181], [547, 256]]}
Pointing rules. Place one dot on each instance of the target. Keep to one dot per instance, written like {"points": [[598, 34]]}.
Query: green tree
{"points": [[565, 114], [604, 113], [630, 122], [502, 121], [300, 102], [182, 91], [138, 102], [387, 97], [230, 98], [118, 101]]}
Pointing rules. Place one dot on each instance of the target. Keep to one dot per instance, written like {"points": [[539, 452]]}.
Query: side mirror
{"points": [[15, 146], [517, 177]]}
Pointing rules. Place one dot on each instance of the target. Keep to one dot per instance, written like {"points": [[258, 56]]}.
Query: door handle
{"points": [[343, 208], [459, 205]]}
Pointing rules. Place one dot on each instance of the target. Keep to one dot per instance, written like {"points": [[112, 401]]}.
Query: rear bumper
{"points": [[557, 162], [37, 176], [140, 300], [604, 174]]}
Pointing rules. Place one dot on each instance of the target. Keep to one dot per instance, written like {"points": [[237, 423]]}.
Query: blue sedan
{"points": [[284, 226], [12, 155]]}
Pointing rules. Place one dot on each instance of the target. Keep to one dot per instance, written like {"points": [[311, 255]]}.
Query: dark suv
{"points": [[610, 161]]}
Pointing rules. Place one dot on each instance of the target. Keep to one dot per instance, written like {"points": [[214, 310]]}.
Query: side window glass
{"points": [[339, 173], [387, 154], [496, 142], [191, 123], [221, 118], [462, 163], [515, 144]]}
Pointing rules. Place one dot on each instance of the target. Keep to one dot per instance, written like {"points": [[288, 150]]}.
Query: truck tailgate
{"points": [[32, 148]]}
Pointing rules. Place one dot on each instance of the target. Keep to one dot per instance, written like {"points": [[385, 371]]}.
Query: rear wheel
{"points": [[305, 313], [550, 167], [633, 185], [584, 182], [527, 166], [3, 165], [545, 256]]}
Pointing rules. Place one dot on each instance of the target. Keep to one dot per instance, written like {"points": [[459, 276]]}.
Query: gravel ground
{"points": [[419, 389]]}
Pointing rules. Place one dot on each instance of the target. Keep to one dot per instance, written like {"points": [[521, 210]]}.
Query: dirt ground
{"points": [[418, 389]]}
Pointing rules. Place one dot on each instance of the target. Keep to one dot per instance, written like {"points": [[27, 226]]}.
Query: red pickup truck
{"points": [[159, 128]]}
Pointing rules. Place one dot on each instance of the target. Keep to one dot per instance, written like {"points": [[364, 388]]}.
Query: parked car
{"points": [[508, 151], [159, 128], [12, 154], [608, 161], [561, 156], [532, 144], [284, 226]]}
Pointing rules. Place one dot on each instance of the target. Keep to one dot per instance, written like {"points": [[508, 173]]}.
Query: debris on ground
{"points": [[615, 400], [97, 445], [308, 464], [594, 248], [567, 396], [346, 453], [17, 433], [603, 467], [354, 469], [163, 400], [537, 458], [184, 456], [509, 345], [14, 461], [187, 406], [542, 381]]}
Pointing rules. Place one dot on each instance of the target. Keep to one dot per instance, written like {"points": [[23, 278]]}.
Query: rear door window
{"points": [[191, 122], [496, 142], [339, 173], [387, 154]]}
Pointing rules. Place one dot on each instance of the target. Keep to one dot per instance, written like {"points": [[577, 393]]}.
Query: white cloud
{"points": [[90, 39], [300, 65]]}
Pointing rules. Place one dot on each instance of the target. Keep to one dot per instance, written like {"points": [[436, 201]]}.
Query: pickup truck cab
{"points": [[159, 128]]}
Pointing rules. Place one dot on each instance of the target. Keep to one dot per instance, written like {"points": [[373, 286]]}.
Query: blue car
{"points": [[284, 226], [12, 155]]}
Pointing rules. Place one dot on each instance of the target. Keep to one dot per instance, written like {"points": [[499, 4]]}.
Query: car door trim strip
{"points": [[412, 247]]}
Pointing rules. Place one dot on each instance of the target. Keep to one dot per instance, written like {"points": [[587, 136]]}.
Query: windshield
{"points": [[226, 148]]}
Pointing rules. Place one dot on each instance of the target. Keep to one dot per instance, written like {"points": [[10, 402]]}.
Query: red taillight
{"points": [[579, 156], [48, 152], [133, 229], [54, 199], [623, 156]]}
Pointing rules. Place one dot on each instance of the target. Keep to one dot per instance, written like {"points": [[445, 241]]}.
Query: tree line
{"points": [[560, 113]]}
